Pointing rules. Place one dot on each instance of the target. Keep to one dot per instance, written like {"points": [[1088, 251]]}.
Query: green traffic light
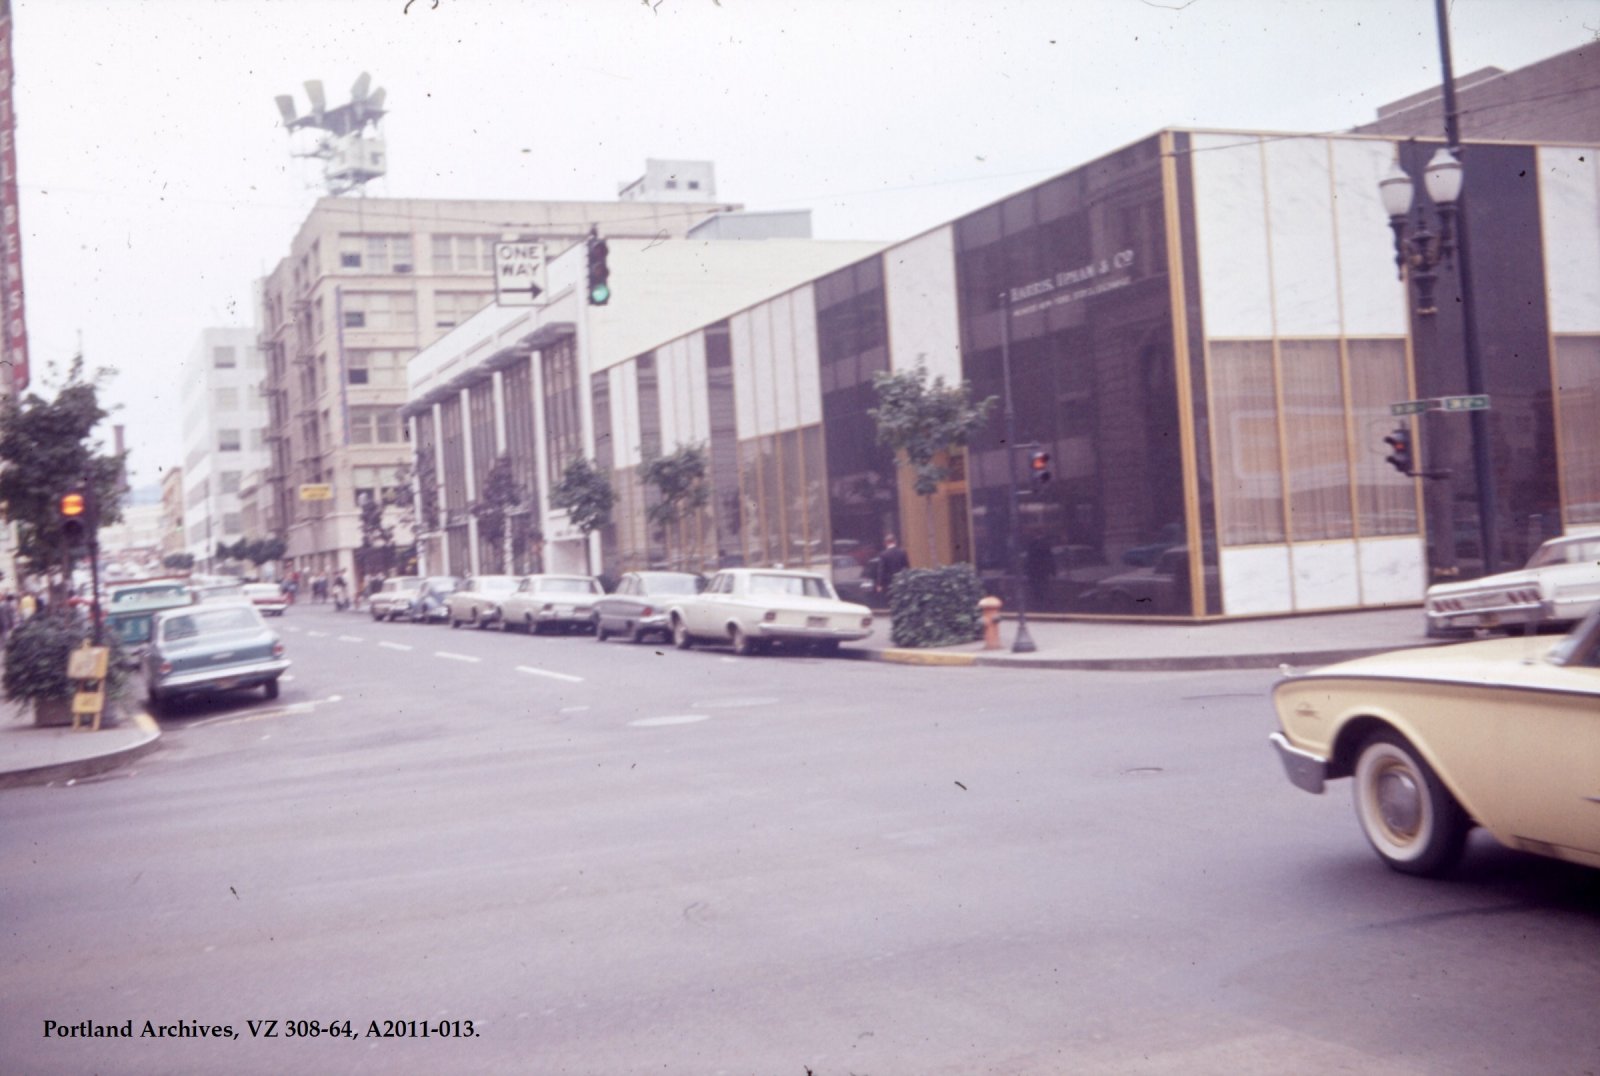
{"points": [[599, 294]]}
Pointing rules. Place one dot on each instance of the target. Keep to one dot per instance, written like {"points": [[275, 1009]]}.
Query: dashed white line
{"points": [[350, 639], [317, 634], [553, 675], [396, 646], [456, 657]]}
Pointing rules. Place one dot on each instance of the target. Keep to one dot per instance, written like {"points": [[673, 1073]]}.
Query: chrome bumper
{"points": [[1305, 770], [779, 631], [208, 679]]}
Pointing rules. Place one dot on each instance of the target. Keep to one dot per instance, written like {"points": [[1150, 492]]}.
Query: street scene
{"points": [[686, 538]]}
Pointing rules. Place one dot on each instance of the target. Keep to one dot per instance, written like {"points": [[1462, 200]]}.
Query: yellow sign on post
{"points": [[316, 491], [87, 665]]}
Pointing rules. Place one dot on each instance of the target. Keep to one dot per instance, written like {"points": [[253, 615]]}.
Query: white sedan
{"points": [[752, 608], [1559, 585]]}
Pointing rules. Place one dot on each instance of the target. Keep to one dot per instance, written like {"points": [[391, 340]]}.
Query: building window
{"points": [[1578, 416], [350, 259], [367, 483], [375, 426], [563, 427], [224, 358], [376, 253], [451, 308], [383, 367], [231, 523], [228, 441], [226, 399], [385, 311], [694, 184], [1249, 478], [463, 253], [229, 481]]}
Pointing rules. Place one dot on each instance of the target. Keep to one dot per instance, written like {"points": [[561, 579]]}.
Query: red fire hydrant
{"points": [[989, 609]]}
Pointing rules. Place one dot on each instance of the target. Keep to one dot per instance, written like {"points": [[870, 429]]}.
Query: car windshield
{"points": [[669, 584], [443, 584], [567, 586], [406, 585], [496, 584], [1566, 553], [140, 595], [797, 586], [209, 622]]}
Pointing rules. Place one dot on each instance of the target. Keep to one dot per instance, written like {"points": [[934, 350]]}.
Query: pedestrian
{"points": [[891, 562], [8, 615], [28, 605]]}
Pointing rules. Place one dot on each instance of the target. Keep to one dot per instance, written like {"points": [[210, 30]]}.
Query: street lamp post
{"points": [[1419, 251], [1023, 642]]}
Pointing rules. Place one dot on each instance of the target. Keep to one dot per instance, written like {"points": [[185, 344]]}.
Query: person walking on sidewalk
{"points": [[891, 562]]}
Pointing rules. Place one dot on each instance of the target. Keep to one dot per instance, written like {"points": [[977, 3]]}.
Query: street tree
{"points": [[46, 448], [494, 509], [926, 422], [679, 479], [585, 494]]}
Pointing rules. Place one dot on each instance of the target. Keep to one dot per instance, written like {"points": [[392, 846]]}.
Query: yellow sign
{"points": [[316, 491], [87, 665]]}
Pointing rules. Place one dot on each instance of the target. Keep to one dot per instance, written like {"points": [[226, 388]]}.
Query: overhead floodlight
{"points": [[319, 103], [375, 101], [286, 108], [358, 91]]}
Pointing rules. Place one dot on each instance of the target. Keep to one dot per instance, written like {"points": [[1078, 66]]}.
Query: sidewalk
{"points": [[1300, 641], [30, 755]]}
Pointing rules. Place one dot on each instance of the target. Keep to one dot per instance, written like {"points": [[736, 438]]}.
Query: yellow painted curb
{"points": [[921, 657], [145, 721]]}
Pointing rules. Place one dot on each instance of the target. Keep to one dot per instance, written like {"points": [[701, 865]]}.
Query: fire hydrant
{"points": [[989, 609]]}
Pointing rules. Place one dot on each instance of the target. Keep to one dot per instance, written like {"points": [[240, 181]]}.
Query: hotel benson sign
{"points": [[1096, 277]]}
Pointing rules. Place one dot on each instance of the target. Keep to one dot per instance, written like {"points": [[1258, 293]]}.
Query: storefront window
{"points": [[1578, 400], [1244, 431]]}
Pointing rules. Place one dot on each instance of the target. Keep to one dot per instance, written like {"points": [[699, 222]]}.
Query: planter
{"points": [[48, 713]]}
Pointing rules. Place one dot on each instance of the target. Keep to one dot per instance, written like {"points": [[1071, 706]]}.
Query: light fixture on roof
{"points": [[351, 145]]}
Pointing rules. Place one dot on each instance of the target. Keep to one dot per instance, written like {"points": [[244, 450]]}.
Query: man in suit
{"points": [[891, 562]]}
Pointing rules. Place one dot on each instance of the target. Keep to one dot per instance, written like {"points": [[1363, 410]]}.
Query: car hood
{"points": [[1512, 660]]}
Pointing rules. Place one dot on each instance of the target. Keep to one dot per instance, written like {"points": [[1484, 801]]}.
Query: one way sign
{"points": [[518, 273]]}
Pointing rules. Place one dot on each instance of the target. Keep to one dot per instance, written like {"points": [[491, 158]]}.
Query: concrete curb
{"points": [[1177, 663], [90, 765]]}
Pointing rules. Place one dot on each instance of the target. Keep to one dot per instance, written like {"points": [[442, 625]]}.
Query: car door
{"points": [[1549, 738], [705, 614]]}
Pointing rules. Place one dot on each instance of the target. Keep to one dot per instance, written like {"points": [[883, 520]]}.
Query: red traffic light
{"points": [[73, 505], [1039, 463]]}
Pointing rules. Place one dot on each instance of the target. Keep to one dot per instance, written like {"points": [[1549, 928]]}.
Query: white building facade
{"points": [[224, 437]]}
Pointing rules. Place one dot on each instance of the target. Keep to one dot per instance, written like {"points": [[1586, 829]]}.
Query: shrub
{"points": [[935, 606], [36, 658]]}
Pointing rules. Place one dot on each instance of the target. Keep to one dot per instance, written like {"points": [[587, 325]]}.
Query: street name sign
{"points": [[519, 273], [1409, 407], [1440, 403], [1465, 403]]}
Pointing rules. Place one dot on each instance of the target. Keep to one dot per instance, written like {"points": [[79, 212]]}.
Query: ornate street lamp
{"points": [[1418, 251]]}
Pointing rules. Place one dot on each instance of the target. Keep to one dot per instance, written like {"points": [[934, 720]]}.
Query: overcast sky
{"points": [[157, 184]]}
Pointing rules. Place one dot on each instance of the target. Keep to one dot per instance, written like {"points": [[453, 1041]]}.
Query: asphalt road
{"points": [[624, 859]]}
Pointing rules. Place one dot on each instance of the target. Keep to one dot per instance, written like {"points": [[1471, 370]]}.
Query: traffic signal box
{"points": [[73, 510], [1039, 468], [1400, 457], [599, 272]]}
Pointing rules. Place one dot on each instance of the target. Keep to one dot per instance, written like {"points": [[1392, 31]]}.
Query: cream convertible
{"points": [[1503, 733]]}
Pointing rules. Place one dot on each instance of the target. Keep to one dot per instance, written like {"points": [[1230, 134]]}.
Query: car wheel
{"points": [[743, 645], [680, 635], [454, 623], [1409, 817], [376, 615], [638, 634], [828, 648], [270, 688], [153, 700], [600, 633]]}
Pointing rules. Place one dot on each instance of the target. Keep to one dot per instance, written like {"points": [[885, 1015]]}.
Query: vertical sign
{"points": [[13, 325]]}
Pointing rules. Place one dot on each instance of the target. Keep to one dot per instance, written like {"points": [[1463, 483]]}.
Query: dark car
{"points": [[218, 646], [131, 612], [638, 607]]}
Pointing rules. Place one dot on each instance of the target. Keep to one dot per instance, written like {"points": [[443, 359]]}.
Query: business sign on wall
{"points": [[1096, 277], [13, 323]]}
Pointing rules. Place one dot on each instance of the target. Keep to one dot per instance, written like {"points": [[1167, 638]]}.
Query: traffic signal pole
{"points": [[1023, 642]]}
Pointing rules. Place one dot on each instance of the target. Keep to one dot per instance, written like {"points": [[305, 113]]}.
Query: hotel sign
{"points": [[13, 323]]}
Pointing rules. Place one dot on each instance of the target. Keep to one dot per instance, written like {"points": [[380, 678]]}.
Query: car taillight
{"points": [[772, 614], [866, 622], [547, 607], [647, 611], [277, 650], [166, 668]]}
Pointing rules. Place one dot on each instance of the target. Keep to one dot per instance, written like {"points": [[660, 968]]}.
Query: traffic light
{"points": [[73, 509], [599, 272], [1039, 467], [1400, 457]]}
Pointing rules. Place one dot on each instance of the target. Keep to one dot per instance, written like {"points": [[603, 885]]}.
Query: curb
{"points": [[1194, 663], [91, 765]]}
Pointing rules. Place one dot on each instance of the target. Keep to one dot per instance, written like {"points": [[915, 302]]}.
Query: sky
{"points": [[157, 184]]}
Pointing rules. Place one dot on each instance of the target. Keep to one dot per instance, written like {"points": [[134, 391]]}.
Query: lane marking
{"points": [[552, 675], [317, 634], [350, 639], [456, 657], [396, 646], [573, 709], [676, 719]]}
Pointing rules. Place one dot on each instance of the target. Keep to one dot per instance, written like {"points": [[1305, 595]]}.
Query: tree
{"points": [[493, 509], [679, 480], [926, 422], [585, 494], [45, 448]]}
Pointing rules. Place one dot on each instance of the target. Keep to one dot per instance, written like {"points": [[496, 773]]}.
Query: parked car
{"points": [[753, 608], [395, 598], [1502, 733], [481, 600], [269, 598], [553, 601], [638, 607], [217, 646], [1559, 585], [429, 604]]}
